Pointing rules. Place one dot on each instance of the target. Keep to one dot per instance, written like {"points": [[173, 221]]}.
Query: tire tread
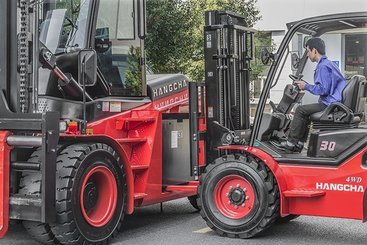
{"points": [[272, 211], [31, 185], [68, 163]]}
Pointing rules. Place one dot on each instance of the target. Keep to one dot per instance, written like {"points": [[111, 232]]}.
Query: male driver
{"points": [[328, 84]]}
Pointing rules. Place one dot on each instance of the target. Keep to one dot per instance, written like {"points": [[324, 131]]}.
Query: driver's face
{"points": [[311, 53]]}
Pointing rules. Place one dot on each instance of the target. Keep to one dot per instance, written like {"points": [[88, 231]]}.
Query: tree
{"points": [[133, 72], [175, 40], [168, 42]]}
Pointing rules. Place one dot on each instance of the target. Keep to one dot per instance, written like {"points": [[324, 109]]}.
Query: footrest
{"points": [[189, 188], [304, 193], [25, 208], [132, 140], [139, 167], [138, 196], [131, 123]]}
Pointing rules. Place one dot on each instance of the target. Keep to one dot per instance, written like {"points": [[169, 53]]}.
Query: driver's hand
{"points": [[300, 84]]}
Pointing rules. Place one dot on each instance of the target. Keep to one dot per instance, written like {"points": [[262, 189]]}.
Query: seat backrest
{"points": [[354, 94]]}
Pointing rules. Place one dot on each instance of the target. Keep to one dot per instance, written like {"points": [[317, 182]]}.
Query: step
{"points": [[139, 196], [25, 141], [140, 119], [139, 167], [131, 123], [25, 208], [25, 200], [131, 140], [27, 166], [182, 188], [304, 193]]}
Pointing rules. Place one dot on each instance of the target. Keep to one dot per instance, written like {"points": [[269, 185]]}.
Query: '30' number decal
{"points": [[327, 145]]}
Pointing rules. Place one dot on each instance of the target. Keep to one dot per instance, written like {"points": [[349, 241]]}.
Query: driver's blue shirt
{"points": [[329, 82]]}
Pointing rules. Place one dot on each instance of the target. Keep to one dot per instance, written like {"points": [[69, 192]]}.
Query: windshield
{"points": [[63, 24]]}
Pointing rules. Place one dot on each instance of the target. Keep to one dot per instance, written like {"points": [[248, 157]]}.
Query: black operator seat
{"points": [[347, 114]]}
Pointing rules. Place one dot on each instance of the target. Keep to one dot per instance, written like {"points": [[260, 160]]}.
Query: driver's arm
{"points": [[322, 82]]}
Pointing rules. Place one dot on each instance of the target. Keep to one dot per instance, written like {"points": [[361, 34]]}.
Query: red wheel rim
{"points": [[234, 197], [105, 201]]}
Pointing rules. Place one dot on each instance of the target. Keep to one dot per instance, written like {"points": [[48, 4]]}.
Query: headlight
{"points": [[63, 126]]}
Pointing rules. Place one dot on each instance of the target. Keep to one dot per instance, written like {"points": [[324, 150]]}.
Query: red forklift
{"points": [[252, 183], [87, 135]]}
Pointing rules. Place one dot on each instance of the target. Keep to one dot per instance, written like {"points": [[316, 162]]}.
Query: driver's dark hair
{"points": [[316, 43]]}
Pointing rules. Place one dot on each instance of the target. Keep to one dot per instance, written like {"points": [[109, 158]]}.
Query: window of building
{"points": [[355, 55]]}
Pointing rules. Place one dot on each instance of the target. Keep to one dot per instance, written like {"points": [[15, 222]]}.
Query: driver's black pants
{"points": [[300, 125]]}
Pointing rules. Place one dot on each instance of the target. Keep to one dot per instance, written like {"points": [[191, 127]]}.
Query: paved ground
{"points": [[180, 224]]}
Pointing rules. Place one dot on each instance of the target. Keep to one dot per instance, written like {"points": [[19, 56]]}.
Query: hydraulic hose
{"points": [[70, 86]]}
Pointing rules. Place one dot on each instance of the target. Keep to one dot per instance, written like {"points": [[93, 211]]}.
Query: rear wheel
{"points": [[90, 194], [30, 184], [238, 196]]}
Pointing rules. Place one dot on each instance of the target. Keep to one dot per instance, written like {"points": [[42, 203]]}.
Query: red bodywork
{"points": [[137, 136], [318, 190]]}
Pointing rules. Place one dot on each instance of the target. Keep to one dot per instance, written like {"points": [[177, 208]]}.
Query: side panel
{"points": [[137, 135], [4, 183], [176, 150], [333, 144], [342, 188]]}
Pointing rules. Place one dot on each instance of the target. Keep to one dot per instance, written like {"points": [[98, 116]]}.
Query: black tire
{"points": [[287, 218], [242, 212], [74, 164], [194, 202], [30, 184]]}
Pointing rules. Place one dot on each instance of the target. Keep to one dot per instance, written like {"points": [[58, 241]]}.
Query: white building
{"points": [[340, 47]]}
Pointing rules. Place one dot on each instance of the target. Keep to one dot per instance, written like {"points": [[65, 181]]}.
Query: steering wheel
{"points": [[295, 78]]}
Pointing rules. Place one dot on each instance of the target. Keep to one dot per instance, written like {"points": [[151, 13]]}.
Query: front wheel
{"points": [[238, 196], [90, 194]]}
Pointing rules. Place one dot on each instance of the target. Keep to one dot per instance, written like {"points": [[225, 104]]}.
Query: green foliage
{"points": [[175, 40], [169, 43], [72, 6], [134, 73]]}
